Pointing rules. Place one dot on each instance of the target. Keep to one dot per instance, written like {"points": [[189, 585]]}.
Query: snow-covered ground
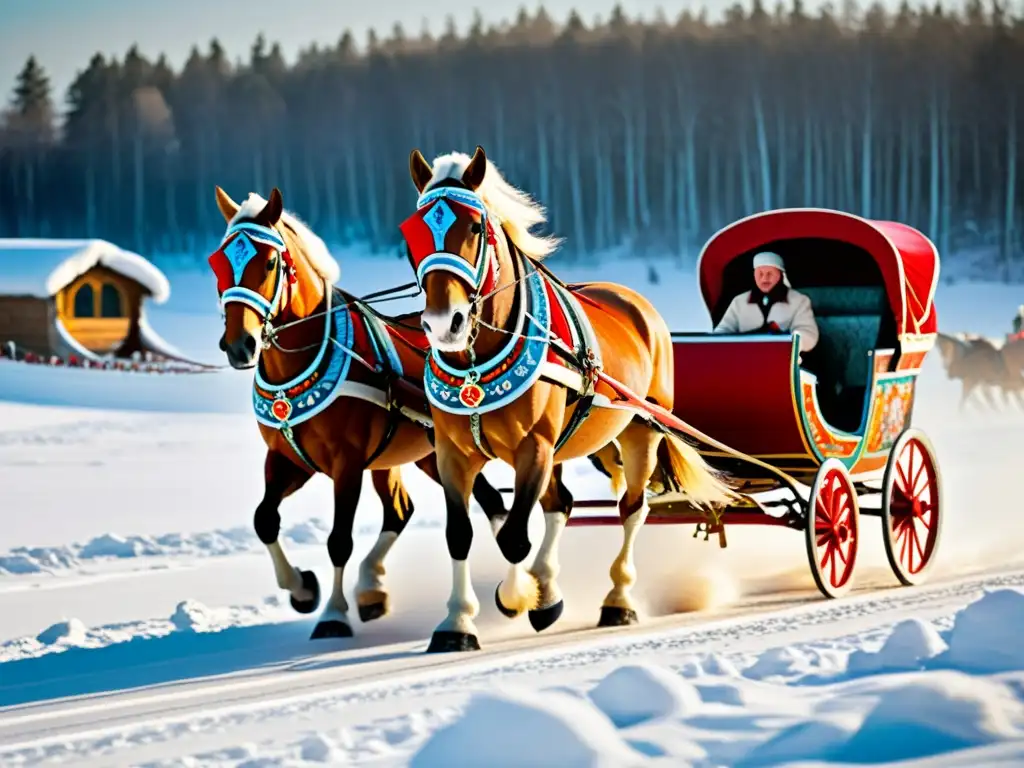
{"points": [[141, 624]]}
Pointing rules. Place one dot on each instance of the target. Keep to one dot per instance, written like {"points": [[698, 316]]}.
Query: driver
{"points": [[772, 306], [1018, 324]]}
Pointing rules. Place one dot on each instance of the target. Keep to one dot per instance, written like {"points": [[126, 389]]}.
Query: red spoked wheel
{"points": [[911, 507], [833, 529]]}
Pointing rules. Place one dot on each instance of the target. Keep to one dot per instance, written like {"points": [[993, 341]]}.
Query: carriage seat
{"points": [[849, 323]]}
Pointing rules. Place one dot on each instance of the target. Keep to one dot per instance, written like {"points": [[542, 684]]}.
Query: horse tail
{"points": [[684, 467]]}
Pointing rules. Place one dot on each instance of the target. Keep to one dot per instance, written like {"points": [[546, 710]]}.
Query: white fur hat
{"points": [[769, 259]]}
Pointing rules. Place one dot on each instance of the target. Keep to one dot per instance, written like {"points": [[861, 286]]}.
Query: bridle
{"points": [[229, 263]]}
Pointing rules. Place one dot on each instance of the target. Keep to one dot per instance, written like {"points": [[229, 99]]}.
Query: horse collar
{"points": [[509, 374], [290, 403]]}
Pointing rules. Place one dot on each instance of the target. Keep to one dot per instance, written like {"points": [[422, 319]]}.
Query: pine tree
{"points": [[32, 104]]}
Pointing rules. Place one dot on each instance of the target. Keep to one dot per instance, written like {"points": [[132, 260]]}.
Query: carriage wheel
{"points": [[911, 507], [833, 528]]}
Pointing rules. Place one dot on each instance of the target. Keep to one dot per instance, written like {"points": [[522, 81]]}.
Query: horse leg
{"points": [[348, 482], [608, 461], [989, 397], [458, 631], [557, 505], [487, 496], [965, 393], [282, 478], [640, 458], [372, 598], [534, 461]]}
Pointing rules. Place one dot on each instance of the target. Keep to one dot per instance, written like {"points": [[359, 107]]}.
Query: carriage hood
{"points": [[907, 260]]}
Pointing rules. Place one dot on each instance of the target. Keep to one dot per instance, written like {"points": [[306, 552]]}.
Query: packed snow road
{"points": [[305, 683]]}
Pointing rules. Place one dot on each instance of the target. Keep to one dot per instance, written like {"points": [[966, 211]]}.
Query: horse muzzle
{"points": [[241, 353], [447, 330]]}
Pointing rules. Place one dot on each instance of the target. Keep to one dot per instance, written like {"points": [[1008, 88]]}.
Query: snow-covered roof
{"points": [[40, 268]]}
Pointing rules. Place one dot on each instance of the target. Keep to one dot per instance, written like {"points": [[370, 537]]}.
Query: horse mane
{"points": [[315, 248], [515, 210]]}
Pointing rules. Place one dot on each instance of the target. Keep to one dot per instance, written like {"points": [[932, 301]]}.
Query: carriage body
{"points": [[871, 285], [830, 427]]}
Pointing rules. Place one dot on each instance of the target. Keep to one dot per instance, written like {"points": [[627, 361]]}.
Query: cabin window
{"points": [[85, 301], [110, 301]]}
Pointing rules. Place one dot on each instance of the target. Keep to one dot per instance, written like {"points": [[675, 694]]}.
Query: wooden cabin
{"points": [[78, 297]]}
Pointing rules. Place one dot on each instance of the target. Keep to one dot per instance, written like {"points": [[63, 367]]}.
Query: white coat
{"points": [[793, 314]]}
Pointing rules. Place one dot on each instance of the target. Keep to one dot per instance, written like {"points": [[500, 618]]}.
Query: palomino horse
{"points": [[511, 376], [980, 363], [338, 389]]}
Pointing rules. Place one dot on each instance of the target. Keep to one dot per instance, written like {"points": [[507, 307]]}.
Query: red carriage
{"points": [[830, 432]]}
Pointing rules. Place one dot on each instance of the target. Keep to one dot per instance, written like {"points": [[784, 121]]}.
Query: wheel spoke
{"points": [[920, 550], [902, 482], [842, 555], [922, 474]]}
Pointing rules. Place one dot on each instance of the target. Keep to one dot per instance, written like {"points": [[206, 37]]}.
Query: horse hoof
{"points": [[452, 642], [373, 611], [542, 618], [310, 584], [331, 628], [617, 617], [506, 612]]}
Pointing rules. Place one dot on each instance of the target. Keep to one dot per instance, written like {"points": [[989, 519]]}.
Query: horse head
{"points": [[459, 242], [450, 242], [951, 349], [267, 265]]}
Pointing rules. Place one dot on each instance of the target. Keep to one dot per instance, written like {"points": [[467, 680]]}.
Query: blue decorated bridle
{"points": [[231, 259], [425, 233]]}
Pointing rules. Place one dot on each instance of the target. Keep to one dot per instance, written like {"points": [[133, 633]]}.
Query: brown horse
{"points": [[512, 376], [337, 389], [981, 363]]}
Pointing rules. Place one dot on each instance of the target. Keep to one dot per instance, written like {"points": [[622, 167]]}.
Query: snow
{"points": [[521, 727], [142, 623], [639, 692], [40, 268]]}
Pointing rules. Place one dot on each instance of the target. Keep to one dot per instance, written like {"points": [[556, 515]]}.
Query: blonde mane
{"points": [[515, 210], [315, 248]]}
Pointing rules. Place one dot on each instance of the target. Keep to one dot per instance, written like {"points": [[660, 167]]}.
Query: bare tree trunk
{"points": [[934, 160], [808, 159], [764, 158], [140, 192], [866, 164], [906, 158], [1011, 182]]}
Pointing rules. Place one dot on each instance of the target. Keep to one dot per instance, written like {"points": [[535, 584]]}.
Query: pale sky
{"points": [[64, 34]]}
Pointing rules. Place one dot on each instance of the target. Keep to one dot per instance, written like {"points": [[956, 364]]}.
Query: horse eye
{"points": [[271, 262], [476, 228]]}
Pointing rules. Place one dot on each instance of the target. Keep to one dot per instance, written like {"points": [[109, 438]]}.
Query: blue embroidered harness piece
{"points": [[309, 393], [509, 374]]}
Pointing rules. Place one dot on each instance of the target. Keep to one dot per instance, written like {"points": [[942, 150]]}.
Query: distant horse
{"points": [[512, 376], [337, 390], [980, 363]]}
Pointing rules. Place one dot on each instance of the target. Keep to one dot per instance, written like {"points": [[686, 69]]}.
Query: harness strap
{"points": [[289, 435]]}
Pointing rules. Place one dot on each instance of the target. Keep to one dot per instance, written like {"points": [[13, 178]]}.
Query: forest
{"points": [[641, 135]]}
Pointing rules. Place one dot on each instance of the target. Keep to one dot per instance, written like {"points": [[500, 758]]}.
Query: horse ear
{"points": [[228, 207], [420, 170], [271, 213], [473, 176]]}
